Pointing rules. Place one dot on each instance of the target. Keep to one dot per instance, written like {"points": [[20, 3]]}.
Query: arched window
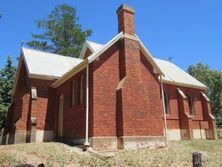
{"points": [[190, 103], [166, 102]]}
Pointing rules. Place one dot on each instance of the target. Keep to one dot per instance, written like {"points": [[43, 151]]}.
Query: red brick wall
{"points": [[23, 107], [126, 22], [135, 111], [175, 108], [153, 91], [21, 100], [104, 78], [73, 117], [43, 108], [173, 116]]}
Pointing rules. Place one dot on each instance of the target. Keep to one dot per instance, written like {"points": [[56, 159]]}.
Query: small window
{"points": [[77, 92], [166, 103], [190, 103]]}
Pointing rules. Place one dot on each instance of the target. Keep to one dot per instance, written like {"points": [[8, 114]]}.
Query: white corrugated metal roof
{"points": [[174, 74], [48, 64], [54, 65], [94, 46]]}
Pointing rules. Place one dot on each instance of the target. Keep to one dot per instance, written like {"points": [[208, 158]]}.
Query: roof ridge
{"points": [[51, 54], [94, 42]]}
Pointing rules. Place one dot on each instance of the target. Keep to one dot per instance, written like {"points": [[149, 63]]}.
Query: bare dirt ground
{"points": [[178, 154]]}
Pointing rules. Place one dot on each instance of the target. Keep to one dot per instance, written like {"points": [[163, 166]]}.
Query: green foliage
{"points": [[219, 123], [62, 34], [213, 79], [7, 75]]}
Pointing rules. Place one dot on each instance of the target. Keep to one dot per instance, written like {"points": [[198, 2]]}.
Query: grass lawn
{"points": [[58, 154]]}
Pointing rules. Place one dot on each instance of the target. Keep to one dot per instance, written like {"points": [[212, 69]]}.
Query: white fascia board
{"points": [[23, 54], [43, 77], [95, 55], [150, 56], [21, 58]]}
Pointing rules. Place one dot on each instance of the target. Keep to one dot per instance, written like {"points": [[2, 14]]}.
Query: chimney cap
{"points": [[126, 8]]}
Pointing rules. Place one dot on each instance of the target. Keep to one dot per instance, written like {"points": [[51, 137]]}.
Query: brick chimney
{"points": [[125, 15], [138, 91]]}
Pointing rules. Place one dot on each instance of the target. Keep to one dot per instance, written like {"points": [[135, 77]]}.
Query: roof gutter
{"points": [[185, 85]]}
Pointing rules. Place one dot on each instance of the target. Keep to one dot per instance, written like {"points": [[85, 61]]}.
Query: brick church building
{"points": [[115, 95]]}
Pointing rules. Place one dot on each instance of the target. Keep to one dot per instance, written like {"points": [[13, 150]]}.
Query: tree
{"points": [[61, 32], [212, 79], [7, 75]]}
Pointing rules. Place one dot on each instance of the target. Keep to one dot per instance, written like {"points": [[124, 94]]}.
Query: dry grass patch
{"points": [[58, 154]]}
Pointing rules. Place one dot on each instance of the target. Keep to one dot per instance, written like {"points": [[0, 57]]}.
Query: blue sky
{"points": [[189, 31]]}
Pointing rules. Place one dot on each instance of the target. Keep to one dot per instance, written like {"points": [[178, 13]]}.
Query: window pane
{"points": [[190, 103], [166, 101]]}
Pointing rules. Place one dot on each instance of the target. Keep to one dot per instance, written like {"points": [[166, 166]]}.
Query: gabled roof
{"points": [[50, 65], [54, 66], [172, 74], [97, 53], [175, 75], [89, 59], [94, 55], [93, 47]]}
